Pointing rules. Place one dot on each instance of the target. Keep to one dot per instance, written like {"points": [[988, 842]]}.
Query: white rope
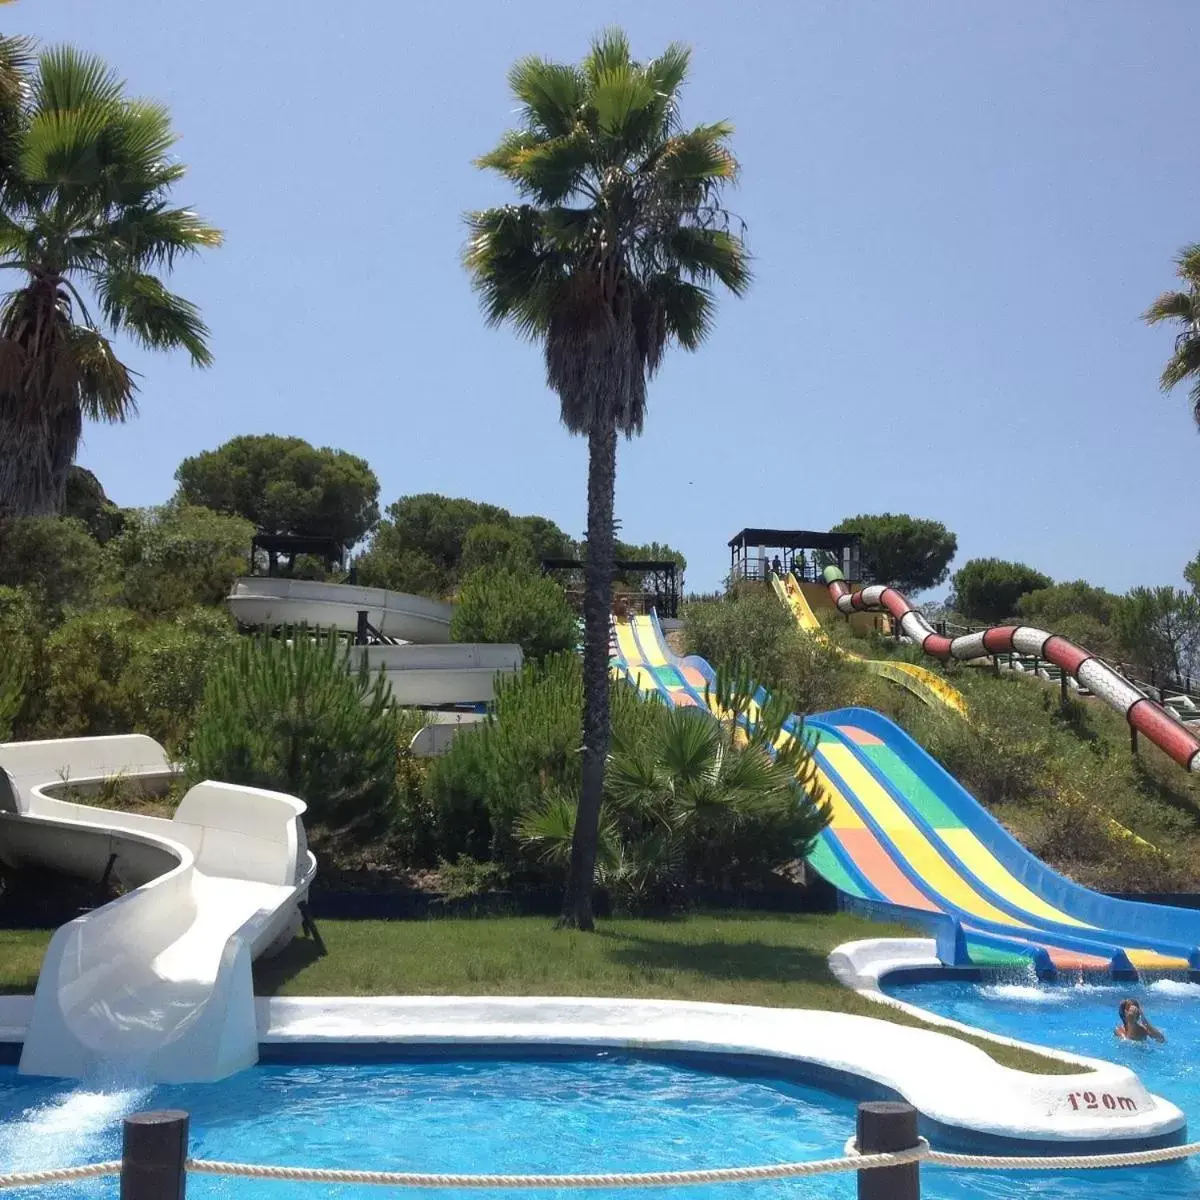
{"points": [[827, 1166], [59, 1175], [852, 1161], [1062, 1162]]}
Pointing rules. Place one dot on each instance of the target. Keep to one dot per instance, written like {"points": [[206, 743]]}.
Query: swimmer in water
{"points": [[1134, 1027]]}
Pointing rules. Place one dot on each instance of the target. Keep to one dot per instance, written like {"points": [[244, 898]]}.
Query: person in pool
{"points": [[1134, 1027]]}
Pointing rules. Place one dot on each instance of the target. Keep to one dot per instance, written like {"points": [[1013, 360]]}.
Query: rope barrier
{"points": [[1062, 1162], [826, 1166], [59, 1175]]}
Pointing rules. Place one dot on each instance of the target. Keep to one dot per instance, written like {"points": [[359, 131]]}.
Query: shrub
{"points": [[177, 556], [692, 804], [498, 604], [297, 718], [85, 689], [528, 749], [54, 557], [749, 626], [21, 660], [166, 673]]}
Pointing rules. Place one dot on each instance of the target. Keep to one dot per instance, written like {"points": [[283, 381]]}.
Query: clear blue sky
{"points": [[957, 210]]}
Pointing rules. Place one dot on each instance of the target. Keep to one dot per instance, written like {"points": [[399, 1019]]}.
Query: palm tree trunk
{"points": [[33, 474], [597, 606]]}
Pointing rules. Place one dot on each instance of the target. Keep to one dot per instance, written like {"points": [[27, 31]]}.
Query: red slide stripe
{"points": [[999, 639], [856, 600], [894, 602], [937, 645], [1164, 731], [1065, 654]]}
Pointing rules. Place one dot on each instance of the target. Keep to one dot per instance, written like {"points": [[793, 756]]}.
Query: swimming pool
{"points": [[587, 1113], [1081, 1016]]}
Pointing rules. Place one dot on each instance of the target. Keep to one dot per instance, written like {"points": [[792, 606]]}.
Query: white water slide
{"points": [[433, 672], [156, 983]]}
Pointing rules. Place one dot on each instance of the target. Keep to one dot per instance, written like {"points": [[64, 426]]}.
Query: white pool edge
{"points": [[951, 1082], [862, 965]]}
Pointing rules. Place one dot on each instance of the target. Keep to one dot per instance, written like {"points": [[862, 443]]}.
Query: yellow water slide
{"points": [[923, 683]]}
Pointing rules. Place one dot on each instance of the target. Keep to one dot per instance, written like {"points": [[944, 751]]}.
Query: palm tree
{"points": [[612, 256], [85, 218], [696, 801], [1184, 307]]}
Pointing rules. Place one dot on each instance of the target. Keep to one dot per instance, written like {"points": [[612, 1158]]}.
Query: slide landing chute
{"points": [[156, 983], [908, 843]]}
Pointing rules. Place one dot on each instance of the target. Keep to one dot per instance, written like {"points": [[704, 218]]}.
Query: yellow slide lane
{"points": [[911, 844], [923, 683]]}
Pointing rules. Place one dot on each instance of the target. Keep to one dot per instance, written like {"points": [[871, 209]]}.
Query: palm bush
{"points": [[530, 748], [297, 717], [697, 802]]}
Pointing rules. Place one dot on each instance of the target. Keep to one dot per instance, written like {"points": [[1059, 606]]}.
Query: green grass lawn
{"points": [[731, 958]]}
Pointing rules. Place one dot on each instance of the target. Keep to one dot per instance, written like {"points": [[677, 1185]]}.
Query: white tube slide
{"points": [[156, 983]]}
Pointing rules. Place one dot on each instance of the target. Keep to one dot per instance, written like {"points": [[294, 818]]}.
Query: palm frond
{"points": [[67, 79], [706, 254], [513, 268], [91, 369], [551, 95], [141, 305], [1173, 306], [149, 236], [553, 170], [623, 102], [609, 52], [1187, 264], [666, 74]]}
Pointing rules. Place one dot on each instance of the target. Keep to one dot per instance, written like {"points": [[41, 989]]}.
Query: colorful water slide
{"points": [[158, 980], [923, 683], [1146, 717], [908, 843]]}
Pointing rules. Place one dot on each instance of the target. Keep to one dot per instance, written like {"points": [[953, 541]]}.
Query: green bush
{"points": [[754, 629], [527, 750], [177, 556], [690, 804], [749, 626], [86, 691], [497, 604], [54, 557], [167, 669], [21, 635], [297, 718]]}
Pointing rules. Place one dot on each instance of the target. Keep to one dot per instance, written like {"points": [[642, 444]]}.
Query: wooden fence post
{"points": [[886, 1126], [154, 1150]]}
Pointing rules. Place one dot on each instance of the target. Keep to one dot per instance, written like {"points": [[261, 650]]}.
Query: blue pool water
{"points": [[1081, 1016], [600, 1112]]}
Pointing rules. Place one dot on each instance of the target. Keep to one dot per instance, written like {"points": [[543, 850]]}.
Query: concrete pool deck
{"points": [[961, 1092]]}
